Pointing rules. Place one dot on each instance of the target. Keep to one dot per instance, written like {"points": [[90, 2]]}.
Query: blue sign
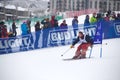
{"points": [[58, 36], [117, 28], [98, 34]]}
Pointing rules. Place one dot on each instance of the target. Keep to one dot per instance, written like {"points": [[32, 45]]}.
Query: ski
{"points": [[69, 59]]}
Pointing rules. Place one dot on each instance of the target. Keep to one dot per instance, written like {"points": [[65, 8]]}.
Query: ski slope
{"points": [[47, 64]]}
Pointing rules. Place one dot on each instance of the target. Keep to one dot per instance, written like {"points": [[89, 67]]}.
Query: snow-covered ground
{"points": [[47, 64]]}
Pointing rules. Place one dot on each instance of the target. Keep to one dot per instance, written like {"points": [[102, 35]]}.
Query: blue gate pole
{"points": [[101, 51]]}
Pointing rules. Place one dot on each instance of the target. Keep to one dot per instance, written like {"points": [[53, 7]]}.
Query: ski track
{"points": [[48, 64]]}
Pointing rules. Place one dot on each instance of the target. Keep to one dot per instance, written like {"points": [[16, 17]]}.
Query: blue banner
{"points": [[111, 29], [98, 34], [58, 36]]}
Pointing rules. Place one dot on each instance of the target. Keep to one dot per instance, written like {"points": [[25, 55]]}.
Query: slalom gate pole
{"points": [[65, 52], [100, 44], [90, 52], [101, 51]]}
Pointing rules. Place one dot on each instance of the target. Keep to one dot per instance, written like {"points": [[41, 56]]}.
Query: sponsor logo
{"points": [[14, 42], [117, 28], [61, 35], [68, 35]]}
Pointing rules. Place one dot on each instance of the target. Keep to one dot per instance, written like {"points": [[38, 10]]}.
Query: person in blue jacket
{"points": [[86, 22], [24, 28], [75, 22]]}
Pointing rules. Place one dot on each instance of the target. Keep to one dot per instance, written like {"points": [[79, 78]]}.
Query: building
{"points": [[77, 5], [10, 12], [15, 9]]}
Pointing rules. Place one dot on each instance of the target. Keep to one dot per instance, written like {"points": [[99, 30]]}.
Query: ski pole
{"points": [[65, 52]]}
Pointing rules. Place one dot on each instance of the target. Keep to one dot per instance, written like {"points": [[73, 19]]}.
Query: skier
{"points": [[86, 41]]}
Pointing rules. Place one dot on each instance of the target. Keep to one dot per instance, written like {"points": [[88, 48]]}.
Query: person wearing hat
{"points": [[85, 42], [0, 30], [75, 22], [93, 19], [24, 28], [63, 24], [4, 33]]}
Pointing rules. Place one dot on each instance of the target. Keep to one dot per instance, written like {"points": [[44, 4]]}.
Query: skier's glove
{"points": [[91, 46], [71, 46]]}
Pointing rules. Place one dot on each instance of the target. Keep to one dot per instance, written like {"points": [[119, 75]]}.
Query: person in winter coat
{"points": [[54, 22], [4, 33], [75, 22], [86, 41], [29, 26], [14, 29], [63, 24], [37, 26], [118, 16], [24, 28], [86, 22], [93, 19], [46, 23], [107, 18], [0, 30]]}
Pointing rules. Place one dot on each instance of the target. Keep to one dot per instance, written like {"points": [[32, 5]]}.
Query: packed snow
{"points": [[48, 64]]}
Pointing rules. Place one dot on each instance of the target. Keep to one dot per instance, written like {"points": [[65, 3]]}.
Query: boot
{"points": [[83, 56], [74, 57]]}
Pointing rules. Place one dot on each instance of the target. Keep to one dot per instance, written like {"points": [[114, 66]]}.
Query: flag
{"points": [[98, 34]]}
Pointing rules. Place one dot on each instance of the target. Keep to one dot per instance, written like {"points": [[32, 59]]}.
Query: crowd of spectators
{"points": [[99, 16], [47, 23]]}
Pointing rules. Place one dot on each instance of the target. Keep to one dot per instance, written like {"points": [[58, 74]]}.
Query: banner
{"points": [[111, 29], [14, 44], [58, 36], [98, 34]]}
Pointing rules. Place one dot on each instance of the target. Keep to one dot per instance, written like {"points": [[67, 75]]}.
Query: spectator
{"points": [[63, 24], [109, 12], [113, 16], [46, 23], [93, 19], [86, 22], [10, 34], [37, 26], [37, 34], [4, 33], [0, 29], [28, 25], [75, 22], [99, 17], [24, 28], [118, 16], [14, 29], [54, 22], [107, 18]]}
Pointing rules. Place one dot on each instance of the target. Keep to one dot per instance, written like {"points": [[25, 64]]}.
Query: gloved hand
{"points": [[71, 46], [91, 46]]}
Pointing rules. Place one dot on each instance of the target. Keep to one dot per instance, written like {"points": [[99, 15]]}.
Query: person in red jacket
{"points": [[4, 30], [54, 22], [86, 41]]}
